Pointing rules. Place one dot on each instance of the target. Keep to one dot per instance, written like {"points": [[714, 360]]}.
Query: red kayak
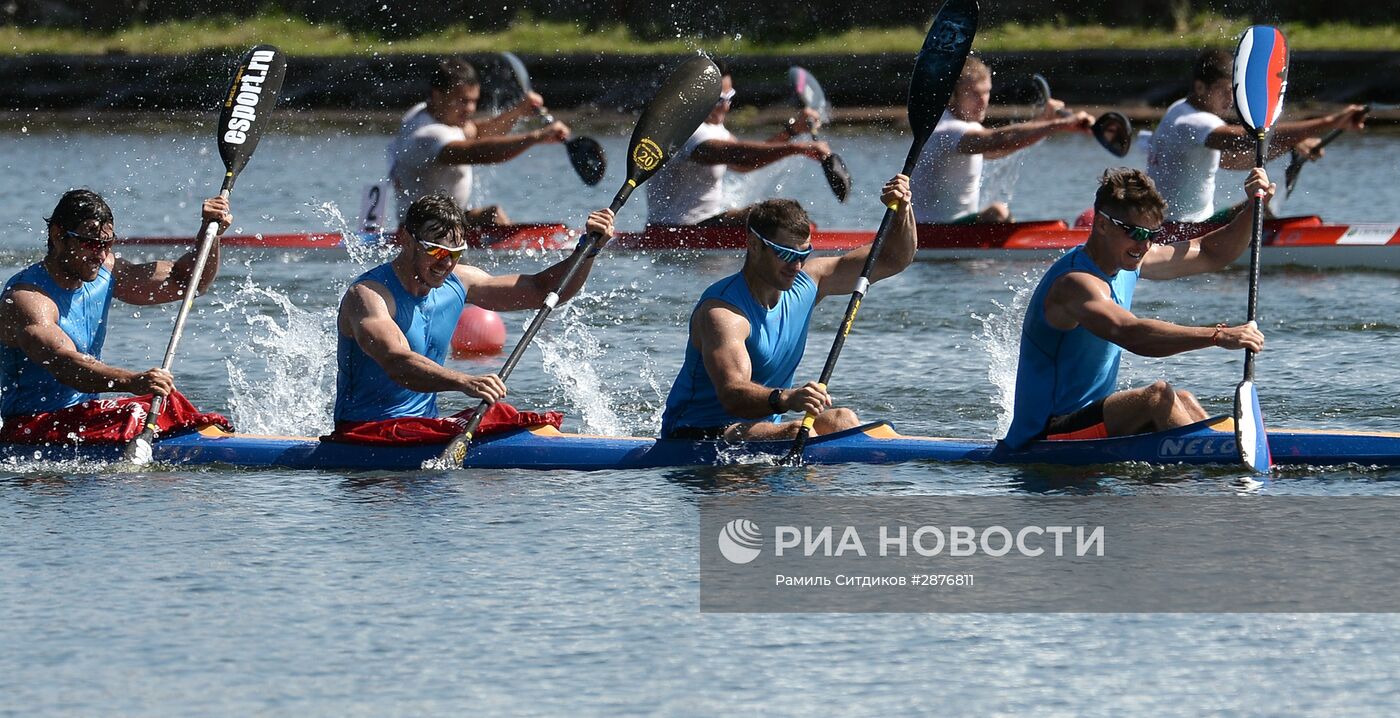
{"points": [[508, 238], [1303, 241]]}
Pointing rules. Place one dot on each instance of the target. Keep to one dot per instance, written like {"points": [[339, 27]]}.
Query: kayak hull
{"points": [[1208, 442], [1299, 241]]}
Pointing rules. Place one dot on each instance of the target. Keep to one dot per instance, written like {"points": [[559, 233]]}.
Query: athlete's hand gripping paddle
{"points": [[683, 102], [1112, 130], [1261, 77], [1298, 160], [247, 105], [810, 97], [585, 154], [936, 71]]}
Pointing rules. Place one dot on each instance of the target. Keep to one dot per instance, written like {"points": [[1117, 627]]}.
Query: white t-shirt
{"points": [[1181, 165], [685, 192], [945, 181], [413, 164]]}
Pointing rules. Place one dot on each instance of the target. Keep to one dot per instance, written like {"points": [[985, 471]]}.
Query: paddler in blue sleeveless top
{"points": [[748, 331], [53, 317], [1080, 319], [396, 320]]}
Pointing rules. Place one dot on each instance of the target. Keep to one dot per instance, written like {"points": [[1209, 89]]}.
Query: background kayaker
{"points": [[948, 178], [439, 140], [1080, 319], [689, 190], [395, 326], [1192, 142], [53, 323], [749, 330]]}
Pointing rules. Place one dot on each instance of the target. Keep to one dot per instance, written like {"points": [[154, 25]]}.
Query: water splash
{"points": [[364, 250], [569, 353], [999, 178], [598, 381], [1000, 339], [292, 349]]}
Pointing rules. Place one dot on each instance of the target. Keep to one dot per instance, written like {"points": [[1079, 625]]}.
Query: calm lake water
{"points": [[212, 591]]}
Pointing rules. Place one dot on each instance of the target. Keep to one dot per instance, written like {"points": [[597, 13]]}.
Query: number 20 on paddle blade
{"points": [[1250, 436]]}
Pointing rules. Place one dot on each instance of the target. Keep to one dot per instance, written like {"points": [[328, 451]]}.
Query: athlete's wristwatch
{"points": [[775, 401]]}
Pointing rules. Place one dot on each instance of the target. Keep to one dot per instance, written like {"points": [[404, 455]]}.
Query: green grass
{"points": [[301, 38]]}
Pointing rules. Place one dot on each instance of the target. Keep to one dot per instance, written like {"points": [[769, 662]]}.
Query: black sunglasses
{"points": [[1141, 234], [103, 243]]}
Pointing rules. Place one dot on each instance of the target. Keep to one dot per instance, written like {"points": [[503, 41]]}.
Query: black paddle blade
{"points": [[251, 97], [587, 157], [518, 72], [684, 100], [937, 67], [837, 176], [1114, 132], [1290, 175], [807, 92], [1041, 89]]}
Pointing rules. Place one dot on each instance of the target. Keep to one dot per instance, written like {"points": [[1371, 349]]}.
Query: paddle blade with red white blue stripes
{"points": [[1261, 76]]}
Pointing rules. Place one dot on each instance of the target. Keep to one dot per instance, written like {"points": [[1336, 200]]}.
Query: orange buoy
{"points": [[479, 332], [1085, 218]]}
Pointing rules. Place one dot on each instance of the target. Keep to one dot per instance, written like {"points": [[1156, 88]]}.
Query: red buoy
{"points": [[1085, 218], [479, 332]]}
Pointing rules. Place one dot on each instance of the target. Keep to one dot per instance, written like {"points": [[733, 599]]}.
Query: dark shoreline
{"points": [[1139, 82]]}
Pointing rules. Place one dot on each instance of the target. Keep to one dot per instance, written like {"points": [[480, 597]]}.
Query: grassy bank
{"points": [[299, 37]]}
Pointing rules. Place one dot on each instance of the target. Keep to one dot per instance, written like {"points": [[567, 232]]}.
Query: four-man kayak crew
{"points": [[749, 330], [948, 178], [395, 326], [1080, 319], [689, 190], [439, 141], [53, 323], [1192, 142]]}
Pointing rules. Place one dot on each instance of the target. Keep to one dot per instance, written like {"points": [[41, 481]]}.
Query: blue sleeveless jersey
{"points": [[777, 338], [363, 391], [29, 388], [1060, 372]]}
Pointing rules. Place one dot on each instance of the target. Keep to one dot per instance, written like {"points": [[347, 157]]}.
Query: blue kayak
{"points": [[1208, 442]]}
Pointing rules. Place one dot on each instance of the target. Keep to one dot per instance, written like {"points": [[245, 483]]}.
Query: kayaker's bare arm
{"points": [[719, 332], [745, 156], [525, 291], [29, 321], [838, 275], [1211, 252], [163, 280], [488, 150], [999, 142], [807, 121], [367, 316], [1079, 299], [1236, 145], [503, 123]]}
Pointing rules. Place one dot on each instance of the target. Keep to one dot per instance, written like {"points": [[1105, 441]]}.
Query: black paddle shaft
{"points": [[585, 248], [683, 101], [1298, 159], [1255, 240], [936, 71], [251, 97]]}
